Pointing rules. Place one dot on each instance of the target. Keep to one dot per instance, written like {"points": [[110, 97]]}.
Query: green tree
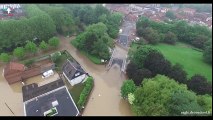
{"points": [[181, 101], [31, 47], [56, 57], [199, 85], [36, 24], [4, 57], [95, 41], [131, 98], [152, 97], [138, 56], [141, 24], [62, 19], [207, 53], [127, 87], [170, 38], [178, 74], [19, 52], [151, 35], [54, 42], [43, 45], [206, 102], [157, 64], [170, 15]]}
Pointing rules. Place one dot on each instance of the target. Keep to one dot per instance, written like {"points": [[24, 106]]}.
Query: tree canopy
{"points": [[127, 88], [200, 85], [170, 15], [54, 42], [95, 40], [31, 47], [161, 96], [15, 33], [4, 57]]}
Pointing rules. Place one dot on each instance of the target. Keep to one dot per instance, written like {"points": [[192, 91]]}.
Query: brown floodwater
{"points": [[11, 101], [105, 99], [11, 98]]}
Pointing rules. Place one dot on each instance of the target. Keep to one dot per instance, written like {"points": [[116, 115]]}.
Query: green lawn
{"points": [[93, 58], [190, 58], [76, 91]]}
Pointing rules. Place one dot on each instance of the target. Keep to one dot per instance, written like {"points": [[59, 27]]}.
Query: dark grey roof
{"points": [[65, 107], [123, 40], [71, 68], [32, 90]]}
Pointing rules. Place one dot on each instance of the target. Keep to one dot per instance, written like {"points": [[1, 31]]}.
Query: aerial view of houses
{"points": [[106, 60]]}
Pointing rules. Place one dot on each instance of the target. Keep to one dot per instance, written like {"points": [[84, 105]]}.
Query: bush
{"points": [[55, 57], [29, 62], [85, 92], [127, 88], [170, 38], [43, 45], [199, 85], [54, 42], [19, 52], [4, 57], [31, 47]]}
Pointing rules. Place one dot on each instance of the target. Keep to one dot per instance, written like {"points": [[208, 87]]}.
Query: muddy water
{"points": [[12, 96], [105, 99], [107, 84]]}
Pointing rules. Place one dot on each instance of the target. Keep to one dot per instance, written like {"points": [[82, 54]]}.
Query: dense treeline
{"points": [[63, 20], [196, 35], [15, 33], [86, 14], [162, 96], [20, 53], [95, 41], [147, 62]]}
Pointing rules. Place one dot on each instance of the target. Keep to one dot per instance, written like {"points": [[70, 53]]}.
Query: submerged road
{"points": [[105, 99]]}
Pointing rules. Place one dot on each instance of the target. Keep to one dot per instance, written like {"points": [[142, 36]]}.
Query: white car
{"points": [[47, 73]]}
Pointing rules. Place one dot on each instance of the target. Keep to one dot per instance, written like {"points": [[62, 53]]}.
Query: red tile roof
{"points": [[16, 66]]}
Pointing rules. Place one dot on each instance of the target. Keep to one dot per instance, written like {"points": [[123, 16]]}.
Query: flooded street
{"points": [[11, 98], [11, 102], [105, 99]]}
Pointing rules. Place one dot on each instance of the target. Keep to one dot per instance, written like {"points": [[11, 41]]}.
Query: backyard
{"points": [[190, 59]]}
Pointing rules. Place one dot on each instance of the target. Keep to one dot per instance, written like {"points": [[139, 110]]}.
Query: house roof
{"points": [[44, 102], [13, 67], [70, 69], [123, 39], [16, 66]]}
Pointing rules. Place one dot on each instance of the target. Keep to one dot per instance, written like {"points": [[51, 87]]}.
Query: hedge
{"points": [[85, 92]]}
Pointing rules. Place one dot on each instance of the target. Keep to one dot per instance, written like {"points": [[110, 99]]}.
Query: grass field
{"points": [[189, 58]]}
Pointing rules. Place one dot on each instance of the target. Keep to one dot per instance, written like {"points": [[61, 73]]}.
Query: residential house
{"points": [[188, 11], [73, 72], [52, 99], [15, 72]]}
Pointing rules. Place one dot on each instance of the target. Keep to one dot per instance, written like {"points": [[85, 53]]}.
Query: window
{"points": [[77, 74]]}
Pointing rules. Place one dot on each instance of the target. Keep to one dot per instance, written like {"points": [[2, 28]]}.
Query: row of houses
{"points": [[17, 72], [157, 13]]}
